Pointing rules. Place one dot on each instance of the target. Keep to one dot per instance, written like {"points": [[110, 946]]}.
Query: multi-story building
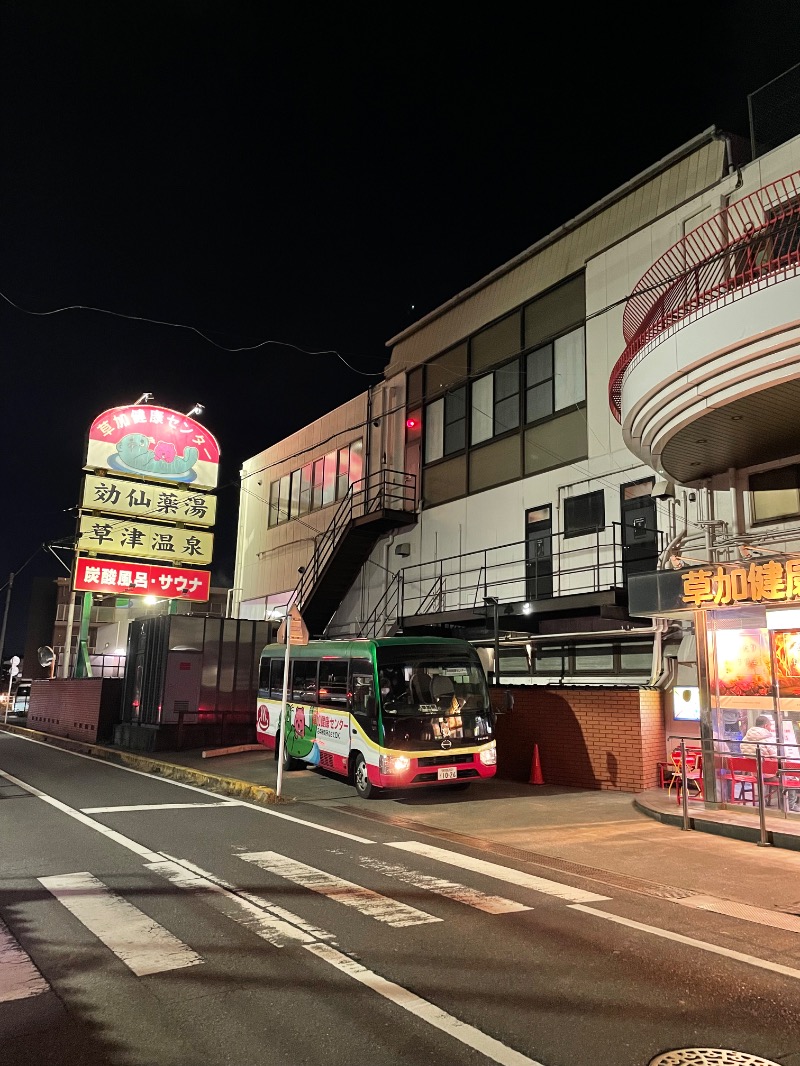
{"points": [[556, 447]]}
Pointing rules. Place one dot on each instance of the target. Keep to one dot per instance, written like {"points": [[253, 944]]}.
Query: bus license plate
{"points": [[448, 773]]}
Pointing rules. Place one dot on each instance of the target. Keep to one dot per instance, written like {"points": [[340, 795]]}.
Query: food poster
{"points": [[743, 663], [786, 647]]}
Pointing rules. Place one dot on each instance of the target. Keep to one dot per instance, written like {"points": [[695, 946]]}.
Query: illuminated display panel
{"points": [[155, 443]]}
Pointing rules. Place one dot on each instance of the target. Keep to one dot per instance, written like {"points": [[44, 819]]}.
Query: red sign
{"points": [[156, 443], [131, 578]]}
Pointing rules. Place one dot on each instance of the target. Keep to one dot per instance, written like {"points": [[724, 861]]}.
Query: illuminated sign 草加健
{"points": [[155, 443], [112, 576], [143, 540], [772, 581], [148, 501]]}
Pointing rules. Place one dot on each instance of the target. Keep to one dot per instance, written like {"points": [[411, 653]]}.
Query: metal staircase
{"points": [[373, 506]]}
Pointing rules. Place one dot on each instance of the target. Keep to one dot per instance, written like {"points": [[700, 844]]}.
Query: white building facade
{"points": [[614, 404]]}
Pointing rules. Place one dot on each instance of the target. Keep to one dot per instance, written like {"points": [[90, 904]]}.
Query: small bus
{"points": [[388, 713]]}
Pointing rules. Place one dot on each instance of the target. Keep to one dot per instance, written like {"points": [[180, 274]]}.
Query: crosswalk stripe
{"points": [[19, 978], [500, 873], [369, 903], [273, 924], [472, 897], [137, 940]]}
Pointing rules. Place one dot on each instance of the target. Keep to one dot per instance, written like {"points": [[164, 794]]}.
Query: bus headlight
{"points": [[489, 755], [393, 764]]}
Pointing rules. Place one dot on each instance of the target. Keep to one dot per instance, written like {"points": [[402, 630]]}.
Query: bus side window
{"points": [[276, 679], [304, 680], [263, 675], [333, 683]]}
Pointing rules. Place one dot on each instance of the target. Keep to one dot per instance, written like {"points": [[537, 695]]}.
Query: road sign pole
{"points": [[282, 741]]}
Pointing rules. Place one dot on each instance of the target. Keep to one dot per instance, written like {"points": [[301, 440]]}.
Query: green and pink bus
{"points": [[388, 713]]}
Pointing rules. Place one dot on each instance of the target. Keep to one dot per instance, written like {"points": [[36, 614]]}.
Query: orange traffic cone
{"points": [[536, 768]]}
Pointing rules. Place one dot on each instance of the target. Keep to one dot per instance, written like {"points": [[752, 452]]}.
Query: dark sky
{"points": [[301, 185]]}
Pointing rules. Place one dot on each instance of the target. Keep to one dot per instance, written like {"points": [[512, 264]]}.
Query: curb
{"points": [[731, 830], [228, 786]]}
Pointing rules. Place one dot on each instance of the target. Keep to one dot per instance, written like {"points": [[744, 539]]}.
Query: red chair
{"points": [[743, 771], [789, 776], [694, 773]]}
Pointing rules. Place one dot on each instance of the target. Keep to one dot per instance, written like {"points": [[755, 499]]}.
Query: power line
{"points": [[191, 329]]}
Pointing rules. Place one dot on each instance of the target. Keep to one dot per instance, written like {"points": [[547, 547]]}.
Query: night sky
{"points": [[239, 207]]}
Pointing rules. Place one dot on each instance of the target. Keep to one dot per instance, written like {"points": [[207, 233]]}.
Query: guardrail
{"points": [[774, 769], [754, 242]]}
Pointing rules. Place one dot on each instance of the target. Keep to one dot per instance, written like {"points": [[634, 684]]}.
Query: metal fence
{"points": [[771, 774]]}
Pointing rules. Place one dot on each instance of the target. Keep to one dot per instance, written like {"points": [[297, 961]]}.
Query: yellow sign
{"points": [[170, 545], [138, 499], [772, 581]]}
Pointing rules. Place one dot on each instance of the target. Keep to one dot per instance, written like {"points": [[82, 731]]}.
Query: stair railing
{"points": [[381, 491], [389, 606]]}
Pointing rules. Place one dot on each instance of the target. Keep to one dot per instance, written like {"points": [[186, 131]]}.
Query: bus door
{"points": [[332, 715], [364, 704]]}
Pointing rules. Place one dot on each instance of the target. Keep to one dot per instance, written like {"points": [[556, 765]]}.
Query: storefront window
{"points": [[754, 684]]}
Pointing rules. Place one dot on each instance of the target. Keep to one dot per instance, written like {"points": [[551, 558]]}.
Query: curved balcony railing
{"points": [[752, 243]]}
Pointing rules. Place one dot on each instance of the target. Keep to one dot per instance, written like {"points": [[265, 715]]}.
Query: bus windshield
{"points": [[428, 694]]}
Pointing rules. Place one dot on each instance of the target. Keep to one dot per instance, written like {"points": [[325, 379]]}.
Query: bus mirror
{"points": [[509, 700], [371, 707]]}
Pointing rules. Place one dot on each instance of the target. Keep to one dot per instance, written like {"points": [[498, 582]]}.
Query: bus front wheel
{"points": [[364, 786], [288, 762]]}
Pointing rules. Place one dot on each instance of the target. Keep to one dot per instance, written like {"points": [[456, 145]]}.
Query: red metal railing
{"points": [[752, 243]]}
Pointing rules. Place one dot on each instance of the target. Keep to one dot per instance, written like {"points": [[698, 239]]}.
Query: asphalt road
{"points": [[146, 922]]}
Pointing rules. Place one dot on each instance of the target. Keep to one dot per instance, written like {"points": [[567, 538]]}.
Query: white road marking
{"points": [[154, 807], [472, 897], [303, 822], [500, 873], [369, 903], [193, 788], [118, 838], [760, 915], [19, 978], [422, 1009], [140, 942], [273, 924], [714, 949]]}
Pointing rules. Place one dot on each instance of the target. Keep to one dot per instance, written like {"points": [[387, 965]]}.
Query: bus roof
{"points": [[357, 646]]}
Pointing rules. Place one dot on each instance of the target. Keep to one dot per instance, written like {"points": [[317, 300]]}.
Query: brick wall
{"points": [[602, 738], [80, 708]]}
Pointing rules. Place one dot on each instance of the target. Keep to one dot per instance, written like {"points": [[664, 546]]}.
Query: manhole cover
{"points": [[709, 1056]]}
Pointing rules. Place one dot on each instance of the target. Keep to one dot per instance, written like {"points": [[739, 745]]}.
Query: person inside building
{"points": [[759, 735], [762, 730]]}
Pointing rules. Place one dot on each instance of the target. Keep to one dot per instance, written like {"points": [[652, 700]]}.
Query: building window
{"points": [[495, 403], [316, 484], [446, 425], [584, 514], [603, 658], [775, 494], [555, 376]]}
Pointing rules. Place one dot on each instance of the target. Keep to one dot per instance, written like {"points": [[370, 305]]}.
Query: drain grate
{"points": [[709, 1056]]}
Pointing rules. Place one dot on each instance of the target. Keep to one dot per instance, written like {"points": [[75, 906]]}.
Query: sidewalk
{"points": [[616, 839], [631, 841]]}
